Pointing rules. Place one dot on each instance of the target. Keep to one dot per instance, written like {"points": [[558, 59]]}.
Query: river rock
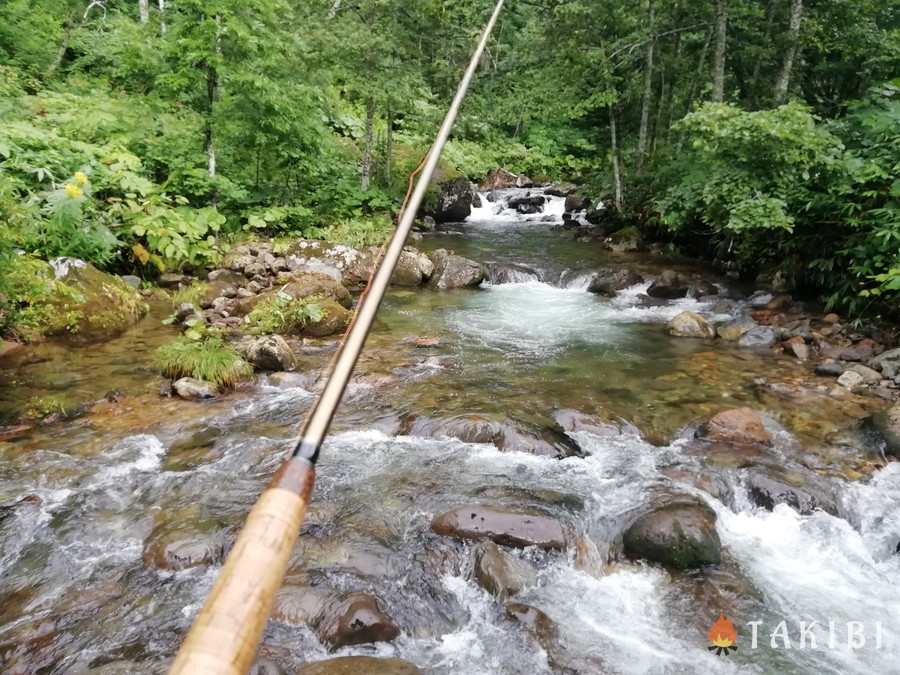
{"points": [[669, 286], [766, 491], [265, 666], [334, 320], [869, 375], [851, 380], [609, 281], [887, 423], [499, 573], [79, 303], [735, 330], [193, 389], [453, 271], [499, 179], [301, 605], [577, 202], [284, 380], [626, 240], [356, 619], [527, 204], [761, 336], [860, 351], [501, 527], [739, 426], [798, 347], [270, 352], [454, 203], [413, 268], [174, 546], [830, 368], [359, 665], [887, 363], [300, 285], [511, 273], [691, 324], [681, 535]]}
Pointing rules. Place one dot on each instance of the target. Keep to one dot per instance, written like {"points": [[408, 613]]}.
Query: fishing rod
{"points": [[226, 633]]}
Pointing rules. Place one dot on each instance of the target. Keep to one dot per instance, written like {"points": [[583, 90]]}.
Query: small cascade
{"points": [[512, 205]]}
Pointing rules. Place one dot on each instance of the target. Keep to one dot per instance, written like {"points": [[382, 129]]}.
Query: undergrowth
{"points": [[208, 359]]}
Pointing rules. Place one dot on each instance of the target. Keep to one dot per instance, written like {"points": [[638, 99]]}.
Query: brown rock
{"points": [[797, 346], [740, 426], [831, 318], [680, 535], [300, 605], [501, 527], [860, 351], [356, 619], [499, 573], [182, 544], [359, 665]]}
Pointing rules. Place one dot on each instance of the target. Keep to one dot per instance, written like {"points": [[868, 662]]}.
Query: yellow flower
{"points": [[73, 191], [81, 178]]}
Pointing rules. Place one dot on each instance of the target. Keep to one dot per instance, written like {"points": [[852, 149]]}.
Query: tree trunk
{"points": [[144, 6], [212, 95], [718, 77], [162, 16], [335, 8], [667, 99], [647, 101], [389, 146], [767, 38], [63, 47], [616, 161], [366, 167], [790, 53]]}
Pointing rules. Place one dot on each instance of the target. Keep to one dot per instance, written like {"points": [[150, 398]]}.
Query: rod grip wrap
{"points": [[225, 635]]}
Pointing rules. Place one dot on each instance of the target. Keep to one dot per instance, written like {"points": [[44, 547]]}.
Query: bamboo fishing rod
{"points": [[226, 633]]}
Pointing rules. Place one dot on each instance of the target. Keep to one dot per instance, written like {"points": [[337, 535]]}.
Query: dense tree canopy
{"points": [[742, 128]]}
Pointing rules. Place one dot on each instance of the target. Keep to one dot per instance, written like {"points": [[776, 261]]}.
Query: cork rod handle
{"points": [[226, 633]]}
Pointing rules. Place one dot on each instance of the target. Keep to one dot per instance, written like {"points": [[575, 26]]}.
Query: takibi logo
{"points": [[723, 636]]}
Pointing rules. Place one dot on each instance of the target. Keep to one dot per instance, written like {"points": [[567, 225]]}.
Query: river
{"points": [[80, 593]]}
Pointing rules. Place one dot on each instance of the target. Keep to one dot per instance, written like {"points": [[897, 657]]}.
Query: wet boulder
{"points": [[501, 527], [610, 281], [333, 319], [454, 203], [359, 665], [500, 573], [669, 286], [453, 271], [830, 368], [355, 619], [301, 605], [625, 240], [181, 544], [691, 324], [739, 426], [735, 330], [887, 424], [71, 299], [511, 273], [499, 179], [577, 202], [758, 337], [680, 535], [862, 350], [887, 363], [192, 389], [766, 491], [270, 352], [798, 347], [527, 204], [413, 269], [300, 285]]}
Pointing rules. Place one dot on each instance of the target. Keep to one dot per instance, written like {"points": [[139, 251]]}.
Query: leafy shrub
{"points": [[284, 314], [207, 358]]}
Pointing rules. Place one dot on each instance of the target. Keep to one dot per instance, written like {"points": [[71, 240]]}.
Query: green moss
{"points": [[629, 233], [39, 407], [284, 314], [208, 359]]}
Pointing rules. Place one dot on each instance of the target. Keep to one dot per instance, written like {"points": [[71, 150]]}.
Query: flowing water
{"points": [[77, 594]]}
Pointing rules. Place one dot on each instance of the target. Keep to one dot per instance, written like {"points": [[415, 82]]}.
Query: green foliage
{"points": [[206, 358], [284, 314], [359, 232]]}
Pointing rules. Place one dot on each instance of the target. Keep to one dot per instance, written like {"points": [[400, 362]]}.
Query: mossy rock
{"points": [[334, 319], [74, 300]]}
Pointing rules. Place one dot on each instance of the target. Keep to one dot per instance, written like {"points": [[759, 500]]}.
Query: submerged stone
{"points": [[359, 665], [356, 619], [499, 573], [691, 324], [740, 426]]}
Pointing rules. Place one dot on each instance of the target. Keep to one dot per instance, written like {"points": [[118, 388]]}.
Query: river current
{"points": [[77, 594]]}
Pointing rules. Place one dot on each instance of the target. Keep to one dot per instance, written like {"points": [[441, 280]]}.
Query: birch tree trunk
{"points": [[212, 95], [144, 6], [718, 74], [335, 8], [366, 167], [647, 101], [616, 160], [790, 53], [389, 146], [162, 16]]}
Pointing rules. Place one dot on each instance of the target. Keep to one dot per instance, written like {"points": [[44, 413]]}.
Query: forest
{"points": [[149, 136]]}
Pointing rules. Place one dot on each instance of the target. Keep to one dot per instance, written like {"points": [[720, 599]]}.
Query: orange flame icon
{"points": [[723, 636]]}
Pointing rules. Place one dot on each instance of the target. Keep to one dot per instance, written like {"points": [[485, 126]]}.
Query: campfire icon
{"points": [[723, 636]]}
